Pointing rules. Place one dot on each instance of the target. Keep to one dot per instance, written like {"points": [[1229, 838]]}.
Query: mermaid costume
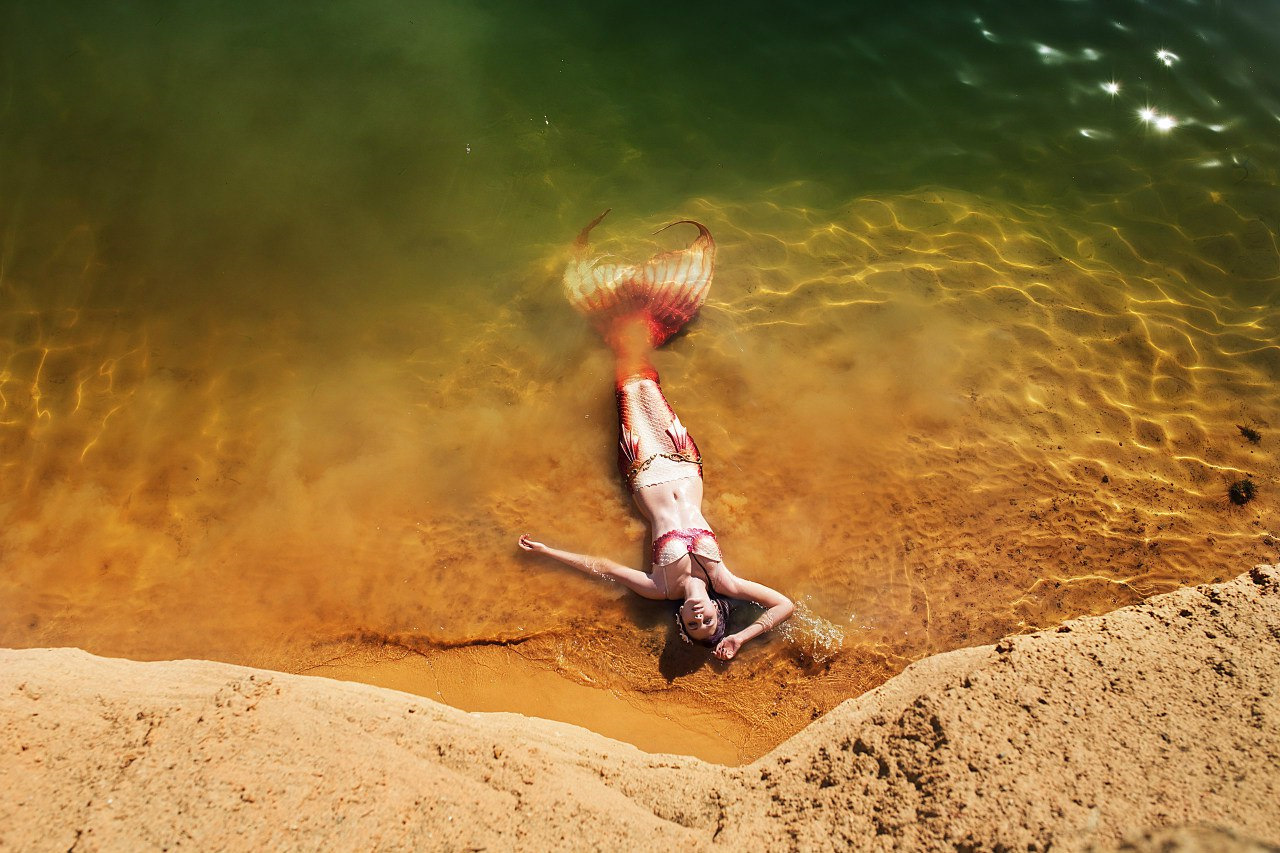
{"points": [[657, 297]]}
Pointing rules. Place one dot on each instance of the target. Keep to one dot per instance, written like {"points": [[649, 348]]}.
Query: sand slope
{"points": [[1110, 728]]}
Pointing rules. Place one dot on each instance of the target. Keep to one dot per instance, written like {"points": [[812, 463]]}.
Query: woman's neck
{"points": [[680, 581]]}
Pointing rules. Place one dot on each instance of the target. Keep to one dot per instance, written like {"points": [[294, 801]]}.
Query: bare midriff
{"points": [[674, 505]]}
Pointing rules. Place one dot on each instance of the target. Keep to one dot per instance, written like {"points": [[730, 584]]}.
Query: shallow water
{"points": [[285, 368]]}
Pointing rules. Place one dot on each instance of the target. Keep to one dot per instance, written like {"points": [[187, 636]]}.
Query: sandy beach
{"points": [[1154, 727]]}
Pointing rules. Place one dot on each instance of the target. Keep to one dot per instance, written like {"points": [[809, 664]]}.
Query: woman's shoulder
{"points": [[726, 582], [732, 586]]}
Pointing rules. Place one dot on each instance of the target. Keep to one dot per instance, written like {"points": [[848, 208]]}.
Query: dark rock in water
{"points": [[1250, 433], [1241, 492]]}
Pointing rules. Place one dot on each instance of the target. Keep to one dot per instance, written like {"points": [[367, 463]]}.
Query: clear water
{"points": [[285, 369]]}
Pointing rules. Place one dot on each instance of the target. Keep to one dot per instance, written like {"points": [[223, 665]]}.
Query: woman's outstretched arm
{"points": [[777, 609], [637, 581]]}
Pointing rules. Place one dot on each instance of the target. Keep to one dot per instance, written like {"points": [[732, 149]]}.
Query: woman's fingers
{"points": [[726, 649]]}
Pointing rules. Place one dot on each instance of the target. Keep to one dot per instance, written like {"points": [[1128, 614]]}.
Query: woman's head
{"points": [[703, 620]]}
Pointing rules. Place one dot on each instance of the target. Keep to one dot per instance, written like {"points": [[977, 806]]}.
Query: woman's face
{"points": [[699, 617]]}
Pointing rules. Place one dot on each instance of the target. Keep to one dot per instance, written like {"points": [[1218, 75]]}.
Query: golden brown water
{"points": [[270, 399], [931, 419]]}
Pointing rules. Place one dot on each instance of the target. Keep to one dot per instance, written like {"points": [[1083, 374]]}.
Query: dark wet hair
{"points": [[722, 623]]}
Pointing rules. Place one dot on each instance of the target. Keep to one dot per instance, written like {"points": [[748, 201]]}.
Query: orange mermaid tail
{"points": [[637, 306]]}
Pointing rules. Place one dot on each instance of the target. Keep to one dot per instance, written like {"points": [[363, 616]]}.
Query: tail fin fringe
{"points": [[660, 296]]}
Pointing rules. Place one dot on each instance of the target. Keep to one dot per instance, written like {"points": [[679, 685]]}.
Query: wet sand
{"points": [[1156, 727]]}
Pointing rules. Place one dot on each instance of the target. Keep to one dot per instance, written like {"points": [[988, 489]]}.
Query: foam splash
{"points": [[818, 640]]}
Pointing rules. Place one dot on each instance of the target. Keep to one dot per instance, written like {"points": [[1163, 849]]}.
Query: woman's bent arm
{"points": [[777, 609], [774, 616], [637, 581]]}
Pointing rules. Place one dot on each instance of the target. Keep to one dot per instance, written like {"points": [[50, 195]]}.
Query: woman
{"points": [[636, 309]]}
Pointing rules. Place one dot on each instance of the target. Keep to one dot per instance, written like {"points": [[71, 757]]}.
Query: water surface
{"points": [[285, 368]]}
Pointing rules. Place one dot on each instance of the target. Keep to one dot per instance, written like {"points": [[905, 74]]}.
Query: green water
{"points": [[284, 365], [342, 146]]}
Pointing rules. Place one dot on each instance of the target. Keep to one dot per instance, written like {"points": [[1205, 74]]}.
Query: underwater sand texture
{"points": [[931, 418]]}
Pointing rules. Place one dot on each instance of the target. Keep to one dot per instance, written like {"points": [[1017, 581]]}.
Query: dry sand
{"points": [[1155, 727]]}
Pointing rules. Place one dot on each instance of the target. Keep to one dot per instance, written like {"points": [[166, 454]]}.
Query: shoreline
{"points": [[511, 682], [1159, 715]]}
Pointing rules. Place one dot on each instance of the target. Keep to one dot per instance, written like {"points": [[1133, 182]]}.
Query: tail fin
{"points": [[660, 295]]}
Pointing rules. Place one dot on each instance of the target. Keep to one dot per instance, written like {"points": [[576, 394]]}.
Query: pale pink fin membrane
{"points": [[665, 291]]}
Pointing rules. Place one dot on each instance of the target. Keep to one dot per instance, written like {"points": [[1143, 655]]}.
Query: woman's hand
{"points": [[728, 647], [527, 544]]}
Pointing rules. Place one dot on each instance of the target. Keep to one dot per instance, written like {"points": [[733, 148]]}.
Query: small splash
{"points": [[818, 639]]}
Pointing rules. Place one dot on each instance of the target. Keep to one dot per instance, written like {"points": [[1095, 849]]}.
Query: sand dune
{"points": [[1109, 730]]}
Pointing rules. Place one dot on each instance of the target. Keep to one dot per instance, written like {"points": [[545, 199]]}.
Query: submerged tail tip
{"points": [[703, 232], [585, 233]]}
